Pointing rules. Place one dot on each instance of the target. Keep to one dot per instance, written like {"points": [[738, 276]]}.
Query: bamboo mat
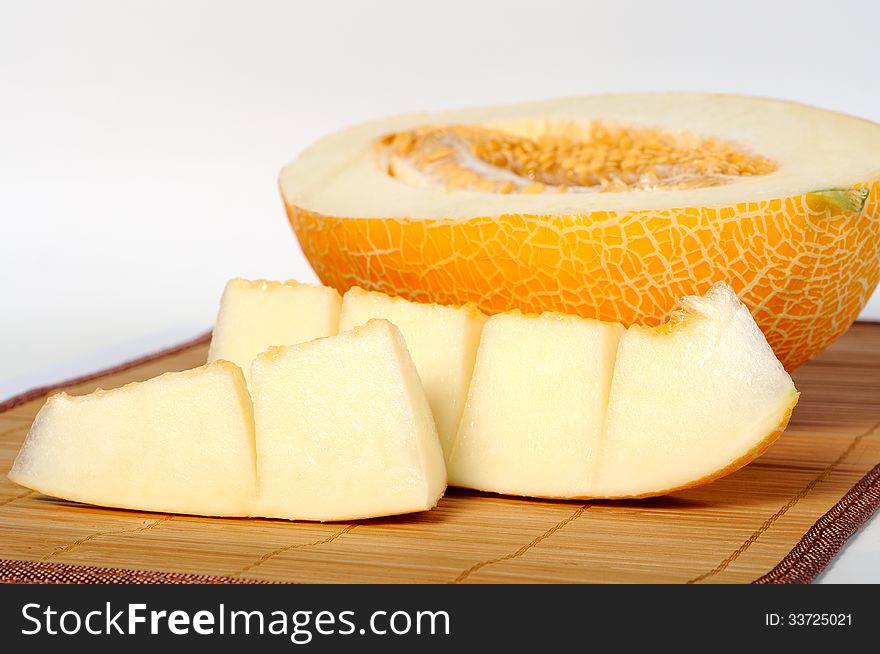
{"points": [[780, 519]]}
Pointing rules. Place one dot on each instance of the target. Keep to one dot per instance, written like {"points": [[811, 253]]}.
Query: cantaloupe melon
{"points": [[609, 207]]}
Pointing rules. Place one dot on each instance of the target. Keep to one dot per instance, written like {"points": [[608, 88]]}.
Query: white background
{"points": [[140, 141]]}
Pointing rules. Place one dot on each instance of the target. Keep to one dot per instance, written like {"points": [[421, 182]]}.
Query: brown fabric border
{"points": [[801, 565], [825, 538], [39, 572]]}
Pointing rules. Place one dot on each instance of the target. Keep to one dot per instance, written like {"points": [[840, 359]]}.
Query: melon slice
{"points": [[256, 315], [442, 341], [344, 430], [692, 400], [536, 406], [182, 442], [559, 408], [609, 207]]}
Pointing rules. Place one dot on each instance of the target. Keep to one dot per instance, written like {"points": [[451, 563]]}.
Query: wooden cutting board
{"points": [[779, 519]]}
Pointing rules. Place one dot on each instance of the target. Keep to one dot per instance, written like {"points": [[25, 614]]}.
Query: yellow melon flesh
{"points": [[341, 427], [691, 401], [536, 406], [564, 410], [257, 315], [344, 430], [442, 341], [180, 443]]}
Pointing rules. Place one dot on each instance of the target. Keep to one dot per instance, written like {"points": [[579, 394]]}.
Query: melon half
{"points": [[608, 207]]}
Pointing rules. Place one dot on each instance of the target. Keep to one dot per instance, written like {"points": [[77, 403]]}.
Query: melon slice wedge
{"points": [[182, 442], [344, 430], [558, 407], [442, 341], [257, 315], [692, 400]]}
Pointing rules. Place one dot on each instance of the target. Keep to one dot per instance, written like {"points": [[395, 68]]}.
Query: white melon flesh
{"points": [[558, 407], [536, 405], [180, 443], [442, 341], [257, 315], [341, 175], [344, 430], [692, 400]]}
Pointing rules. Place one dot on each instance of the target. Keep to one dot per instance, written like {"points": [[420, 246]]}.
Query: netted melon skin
{"points": [[805, 269]]}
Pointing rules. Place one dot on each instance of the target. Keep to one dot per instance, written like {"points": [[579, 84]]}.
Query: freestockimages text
{"points": [[301, 626]]}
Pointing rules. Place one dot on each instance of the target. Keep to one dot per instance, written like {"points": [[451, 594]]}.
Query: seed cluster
{"points": [[610, 157]]}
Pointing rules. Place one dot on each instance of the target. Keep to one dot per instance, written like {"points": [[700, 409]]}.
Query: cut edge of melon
{"points": [[470, 308], [435, 489]]}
